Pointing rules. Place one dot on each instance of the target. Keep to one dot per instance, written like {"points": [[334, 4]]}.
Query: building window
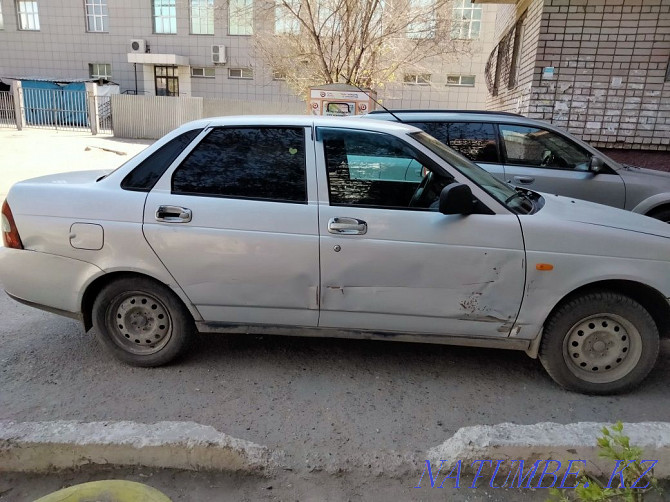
{"points": [[286, 22], [97, 18], [246, 73], [100, 70], [240, 17], [467, 20], [516, 53], [29, 18], [417, 78], [165, 16], [461, 80], [167, 80], [202, 17], [278, 75], [667, 72], [203, 72], [423, 23]]}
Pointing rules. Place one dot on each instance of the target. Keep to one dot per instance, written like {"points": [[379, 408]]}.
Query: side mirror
{"points": [[596, 165], [456, 198]]}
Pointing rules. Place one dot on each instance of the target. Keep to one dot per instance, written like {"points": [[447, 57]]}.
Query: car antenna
{"points": [[373, 99]]}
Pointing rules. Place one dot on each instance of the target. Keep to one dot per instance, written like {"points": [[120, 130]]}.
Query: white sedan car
{"points": [[341, 228]]}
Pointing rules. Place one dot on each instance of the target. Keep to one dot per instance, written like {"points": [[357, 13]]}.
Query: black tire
{"points": [[661, 214], [599, 343], [142, 322]]}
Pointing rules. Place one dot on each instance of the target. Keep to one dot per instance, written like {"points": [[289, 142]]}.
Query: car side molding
{"points": [[405, 336]]}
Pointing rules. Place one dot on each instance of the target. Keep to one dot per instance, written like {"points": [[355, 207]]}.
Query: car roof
{"points": [[303, 121], [417, 110], [452, 116]]}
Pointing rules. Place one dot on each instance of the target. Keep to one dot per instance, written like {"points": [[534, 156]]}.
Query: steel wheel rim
{"points": [[602, 348], [140, 323]]}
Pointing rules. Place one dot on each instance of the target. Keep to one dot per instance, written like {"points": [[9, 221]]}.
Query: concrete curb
{"points": [[549, 440], [47, 446]]}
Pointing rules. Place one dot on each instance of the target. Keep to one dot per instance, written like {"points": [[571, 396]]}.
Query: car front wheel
{"points": [[142, 322], [599, 343], [661, 214]]}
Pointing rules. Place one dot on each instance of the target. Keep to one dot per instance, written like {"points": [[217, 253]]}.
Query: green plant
{"points": [[615, 446]]}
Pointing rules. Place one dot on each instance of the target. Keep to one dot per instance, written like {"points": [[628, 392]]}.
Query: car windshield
{"points": [[503, 193]]}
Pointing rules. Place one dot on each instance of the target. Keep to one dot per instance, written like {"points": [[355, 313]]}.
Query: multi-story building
{"points": [[598, 68], [202, 48]]}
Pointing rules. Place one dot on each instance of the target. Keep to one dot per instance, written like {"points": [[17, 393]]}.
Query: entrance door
{"points": [[167, 80]]}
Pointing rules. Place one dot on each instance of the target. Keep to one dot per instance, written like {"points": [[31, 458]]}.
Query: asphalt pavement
{"points": [[321, 401]]}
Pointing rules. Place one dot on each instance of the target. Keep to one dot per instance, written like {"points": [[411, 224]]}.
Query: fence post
{"points": [[17, 92], [92, 100]]}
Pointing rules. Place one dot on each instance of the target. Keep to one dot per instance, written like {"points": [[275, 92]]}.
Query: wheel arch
{"points": [[94, 288], [650, 298], [657, 209], [651, 204]]}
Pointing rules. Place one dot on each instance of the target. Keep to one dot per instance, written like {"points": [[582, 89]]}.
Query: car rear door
{"points": [[478, 141], [388, 264], [546, 161], [234, 220]]}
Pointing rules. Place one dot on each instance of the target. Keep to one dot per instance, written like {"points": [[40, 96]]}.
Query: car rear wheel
{"points": [[142, 322], [599, 343]]}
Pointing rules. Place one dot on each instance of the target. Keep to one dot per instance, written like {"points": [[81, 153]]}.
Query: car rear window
{"points": [[475, 140], [148, 172]]}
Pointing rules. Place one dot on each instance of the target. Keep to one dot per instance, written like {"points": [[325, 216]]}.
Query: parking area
{"points": [[323, 403], [320, 401], [38, 152]]}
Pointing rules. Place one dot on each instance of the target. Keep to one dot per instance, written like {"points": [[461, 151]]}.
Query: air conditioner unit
{"points": [[219, 54], [138, 45]]}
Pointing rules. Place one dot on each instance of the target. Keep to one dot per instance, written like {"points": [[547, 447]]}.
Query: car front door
{"points": [[545, 161], [391, 262], [235, 223], [475, 140]]}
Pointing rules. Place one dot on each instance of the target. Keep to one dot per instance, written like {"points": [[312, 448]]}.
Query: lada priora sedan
{"points": [[342, 228]]}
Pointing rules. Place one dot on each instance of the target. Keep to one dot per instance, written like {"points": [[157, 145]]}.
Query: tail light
{"points": [[10, 234]]}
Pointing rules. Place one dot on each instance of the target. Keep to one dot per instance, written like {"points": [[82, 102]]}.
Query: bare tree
{"points": [[365, 42]]}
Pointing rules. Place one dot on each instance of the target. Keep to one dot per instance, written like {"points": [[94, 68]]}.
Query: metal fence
{"points": [[7, 110], [221, 107], [105, 124], [55, 109], [150, 117]]}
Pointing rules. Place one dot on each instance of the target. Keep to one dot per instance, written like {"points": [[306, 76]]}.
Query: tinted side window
{"points": [[245, 162], [535, 147], [474, 140], [148, 172], [372, 169]]}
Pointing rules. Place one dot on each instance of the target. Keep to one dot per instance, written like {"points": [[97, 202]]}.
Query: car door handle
{"points": [[173, 214], [524, 179], [347, 226]]}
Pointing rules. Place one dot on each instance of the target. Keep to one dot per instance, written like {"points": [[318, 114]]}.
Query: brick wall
{"points": [[610, 59], [517, 98]]}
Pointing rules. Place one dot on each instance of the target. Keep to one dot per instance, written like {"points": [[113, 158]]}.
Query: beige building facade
{"points": [[202, 48]]}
